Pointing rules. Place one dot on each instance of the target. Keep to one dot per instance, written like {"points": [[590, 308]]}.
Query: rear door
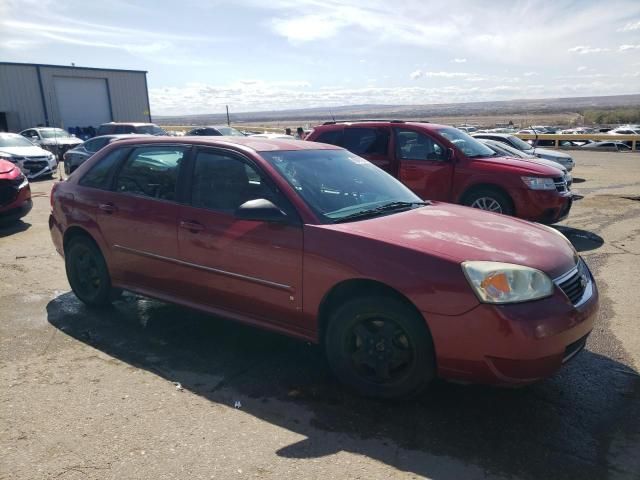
{"points": [[371, 143], [248, 267], [138, 217], [424, 164]]}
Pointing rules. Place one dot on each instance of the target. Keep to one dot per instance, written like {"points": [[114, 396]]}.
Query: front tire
{"points": [[87, 273], [491, 200], [380, 347]]}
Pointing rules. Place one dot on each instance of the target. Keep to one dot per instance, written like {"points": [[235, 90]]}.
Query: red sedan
{"points": [[15, 193], [315, 242]]}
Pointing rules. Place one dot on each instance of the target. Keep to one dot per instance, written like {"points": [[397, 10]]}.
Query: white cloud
{"points": [[623, 48], [582, 50], [416, 75], [530, 74], [459, 60], [581, 68], [631, 26]]}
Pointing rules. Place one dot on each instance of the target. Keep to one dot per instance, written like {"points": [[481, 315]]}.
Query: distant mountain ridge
{"points": [[346, 112]]}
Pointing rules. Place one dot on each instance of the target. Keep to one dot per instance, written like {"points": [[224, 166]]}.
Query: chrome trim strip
{"points": [[260, 281]]}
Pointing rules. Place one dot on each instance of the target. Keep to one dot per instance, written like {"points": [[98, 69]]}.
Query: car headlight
{"points": [[539, 183], [496, 282]]}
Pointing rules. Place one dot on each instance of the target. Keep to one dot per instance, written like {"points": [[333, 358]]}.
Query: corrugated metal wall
{"points": [[21, 99], [20, 96]]}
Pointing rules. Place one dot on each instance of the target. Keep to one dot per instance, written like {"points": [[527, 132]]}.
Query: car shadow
{"points": [[560, 428], [578, 180], [582, 240], [13, 228]]}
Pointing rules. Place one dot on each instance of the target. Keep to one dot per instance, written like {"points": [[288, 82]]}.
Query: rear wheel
{"points": [[489, 199], [381, 347], [87, 272]]}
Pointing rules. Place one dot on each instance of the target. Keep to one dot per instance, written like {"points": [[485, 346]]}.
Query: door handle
{"points": [[192, 226], [107, 207]]}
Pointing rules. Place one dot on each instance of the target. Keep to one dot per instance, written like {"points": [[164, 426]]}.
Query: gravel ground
{"points": [[149, 390]]}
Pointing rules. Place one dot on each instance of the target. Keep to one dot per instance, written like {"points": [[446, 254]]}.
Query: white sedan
{"points": [[35, 162]]}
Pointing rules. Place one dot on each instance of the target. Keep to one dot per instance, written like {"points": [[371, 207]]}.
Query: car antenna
{"points": [[535, 132], [332, 117]]}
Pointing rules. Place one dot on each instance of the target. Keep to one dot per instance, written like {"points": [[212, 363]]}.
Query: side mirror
{"points": [[451, 154], [35, 137], [260, 210]]}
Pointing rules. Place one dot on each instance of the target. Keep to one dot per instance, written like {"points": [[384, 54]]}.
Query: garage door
{"points": [[82, 102]]}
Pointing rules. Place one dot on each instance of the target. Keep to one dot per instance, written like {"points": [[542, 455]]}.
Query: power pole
{"points": [[228, 121]]}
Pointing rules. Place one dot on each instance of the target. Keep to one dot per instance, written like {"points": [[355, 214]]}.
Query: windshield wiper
{"points": [[387, 207]]}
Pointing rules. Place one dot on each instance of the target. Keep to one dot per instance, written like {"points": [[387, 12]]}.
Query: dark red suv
{"points": [[313, 241], [439, 162]]}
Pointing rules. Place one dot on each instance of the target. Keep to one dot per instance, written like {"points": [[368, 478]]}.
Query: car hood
{"points": [[7, 170], [551, 153], [62, 141], [536, 166], [462, 233], [33, 151]]}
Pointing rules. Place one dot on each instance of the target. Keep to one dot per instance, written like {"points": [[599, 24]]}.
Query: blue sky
{"points": [[276, 54]]}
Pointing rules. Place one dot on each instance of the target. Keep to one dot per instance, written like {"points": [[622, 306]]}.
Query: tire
{"points": [[489, 199], [400, 360], [87, 273]]}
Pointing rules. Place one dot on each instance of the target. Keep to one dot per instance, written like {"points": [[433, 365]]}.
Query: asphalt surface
{"points": [[148, 390]]}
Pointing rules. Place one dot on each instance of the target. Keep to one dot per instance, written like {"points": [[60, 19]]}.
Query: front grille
{"points": [[35, 164], [575, 284], [9, 190], [561, 184]]}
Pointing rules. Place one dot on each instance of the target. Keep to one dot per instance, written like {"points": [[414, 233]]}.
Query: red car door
{"points": [[424, 165], [138, 219], [371, 143], [246, 267]]}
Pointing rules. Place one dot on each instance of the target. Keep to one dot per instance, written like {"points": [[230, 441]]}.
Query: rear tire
{"points": [[489, 199], [87, 273], [380, 347]]}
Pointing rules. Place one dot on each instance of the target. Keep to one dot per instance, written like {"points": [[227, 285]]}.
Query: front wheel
{"points": [[490, 200], [87, 272], [381, 347]]}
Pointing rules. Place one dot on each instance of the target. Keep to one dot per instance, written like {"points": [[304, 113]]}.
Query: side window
{"points": [[151, 172], [412, 145], [210, 132], [95, 145], [333, 137], [366, 141], [107, 129], [100, 174], [222, 182], [124, 129]]}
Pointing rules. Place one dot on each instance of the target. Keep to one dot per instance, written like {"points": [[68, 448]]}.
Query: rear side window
{"points": [[124, 129], [101, 173], [151, 172], [95, 145], [366, 141], [333, 137]]}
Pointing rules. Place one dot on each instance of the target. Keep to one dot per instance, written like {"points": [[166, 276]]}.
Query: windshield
{"points": [[336, 183], [54, 133], [14, 141], [505, 149], [519, 144], [149, 129], [466, 143], [229, 131]]}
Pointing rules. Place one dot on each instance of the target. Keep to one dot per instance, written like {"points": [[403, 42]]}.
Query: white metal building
{"points": [[69, 96]]}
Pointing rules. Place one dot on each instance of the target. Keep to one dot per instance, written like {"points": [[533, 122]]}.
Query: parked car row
{"points": [[315, 241]]}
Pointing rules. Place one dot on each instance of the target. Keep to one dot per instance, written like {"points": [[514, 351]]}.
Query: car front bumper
{"points": [[513, 344], [544, 206], [18, 208]]}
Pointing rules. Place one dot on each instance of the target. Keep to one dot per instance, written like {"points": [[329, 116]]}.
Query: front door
{"points": [[246, 267], [424, 165], [138, 218]]}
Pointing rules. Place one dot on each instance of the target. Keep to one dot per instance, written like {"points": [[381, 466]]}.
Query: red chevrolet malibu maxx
{"points": [[315, 242]]}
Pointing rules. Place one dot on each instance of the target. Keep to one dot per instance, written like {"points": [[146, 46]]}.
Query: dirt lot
{"points": [[92, 395]]}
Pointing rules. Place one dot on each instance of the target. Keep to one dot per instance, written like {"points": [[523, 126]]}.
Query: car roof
{"points": [[134, 124], [396, 123], [494, 135], [256, 144]]}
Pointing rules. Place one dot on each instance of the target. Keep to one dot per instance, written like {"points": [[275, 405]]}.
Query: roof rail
{"points": [[364, 120]]}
